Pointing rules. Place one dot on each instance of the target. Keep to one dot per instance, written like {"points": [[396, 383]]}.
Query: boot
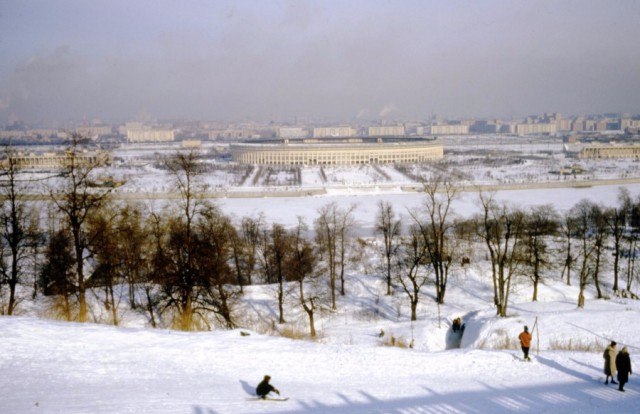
{"points": [[613, 382], [606, 381]]}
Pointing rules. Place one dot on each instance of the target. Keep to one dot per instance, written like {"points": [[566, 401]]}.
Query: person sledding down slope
{"points": [[265, 388], [454, 337], [457, 325]]}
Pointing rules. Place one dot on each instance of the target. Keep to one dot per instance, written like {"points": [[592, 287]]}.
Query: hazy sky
{"points": [[342, 59]]}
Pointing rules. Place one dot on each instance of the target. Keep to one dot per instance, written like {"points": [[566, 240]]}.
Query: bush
{"points": [[292, 333], [400, 342], [593, 345], [503, 341]]}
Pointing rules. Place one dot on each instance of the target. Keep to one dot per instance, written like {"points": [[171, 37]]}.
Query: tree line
{"points": [[186, 265]]}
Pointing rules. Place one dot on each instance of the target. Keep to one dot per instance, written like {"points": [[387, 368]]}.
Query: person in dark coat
{"points": [[623, 363], [265, 388], [457, 322], [609, 356]]}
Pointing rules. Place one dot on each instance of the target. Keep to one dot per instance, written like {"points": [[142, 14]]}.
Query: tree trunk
{"points": [[414, 309], [150, 308]]}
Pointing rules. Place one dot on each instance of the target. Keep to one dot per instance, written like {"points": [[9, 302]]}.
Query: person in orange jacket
{"points": [[525, 342]]}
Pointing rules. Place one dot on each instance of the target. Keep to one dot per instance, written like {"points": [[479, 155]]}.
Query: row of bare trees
{"points": [[188, 263], [519, 243]]}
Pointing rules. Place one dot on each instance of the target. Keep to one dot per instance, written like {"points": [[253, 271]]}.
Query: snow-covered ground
{"points": [[57, 367], [285, 210], [470, 160]]}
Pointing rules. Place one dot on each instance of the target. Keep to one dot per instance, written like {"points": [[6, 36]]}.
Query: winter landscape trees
{"points": [[186, 264], [77, 199], [18, 232]]}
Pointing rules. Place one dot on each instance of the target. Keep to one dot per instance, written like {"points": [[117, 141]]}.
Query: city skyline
{"points": [[286, 60]]}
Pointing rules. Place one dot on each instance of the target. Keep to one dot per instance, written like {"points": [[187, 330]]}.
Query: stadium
{"points": [[337, 151]]}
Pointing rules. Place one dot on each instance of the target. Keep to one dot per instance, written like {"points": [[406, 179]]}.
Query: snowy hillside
{"points": [[58, 367], [369, 357]]}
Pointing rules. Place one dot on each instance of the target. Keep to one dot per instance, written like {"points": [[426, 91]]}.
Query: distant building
{"points": [[351, 151], [151, 135], [485, 127], [630, 125], [536, 128], [94, 131], [32, 134], [334, 132], [191, 143], [449, 129], [615, 150], [12, 134], [293, 132], [44, 133], [50, 160], [227, 134], [563, 124], [386, 131]]}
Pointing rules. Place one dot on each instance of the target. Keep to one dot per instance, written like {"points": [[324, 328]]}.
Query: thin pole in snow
{"points": [[537, 331]]}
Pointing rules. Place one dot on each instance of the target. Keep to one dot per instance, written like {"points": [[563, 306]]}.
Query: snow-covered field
{"points": [[56, 367]]}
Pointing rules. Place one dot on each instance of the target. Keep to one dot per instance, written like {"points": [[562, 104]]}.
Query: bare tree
{"points": [[326, 236], [502, 229], [214, 239], [567, 227], [17, 233], [158, 264], [134, 245], [245, 247], [584, 229], [273, 253], [541, 222], [410, 264], [436, 230], [76, 200], [601, 234], [103, 245], [631, 239], [332, 228], [280, 249], [56, 274], [617, 221], [345, 226], [179, 278], [390, 228], [301, 265]]}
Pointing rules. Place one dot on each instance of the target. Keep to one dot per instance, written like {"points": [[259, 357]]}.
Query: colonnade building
{"points": [[151, 135], [50, 160], [347, 151], [601, 151]]}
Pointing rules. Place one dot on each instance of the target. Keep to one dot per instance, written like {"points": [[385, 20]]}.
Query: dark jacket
{"points": [[623, 363], [264, 388]]}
